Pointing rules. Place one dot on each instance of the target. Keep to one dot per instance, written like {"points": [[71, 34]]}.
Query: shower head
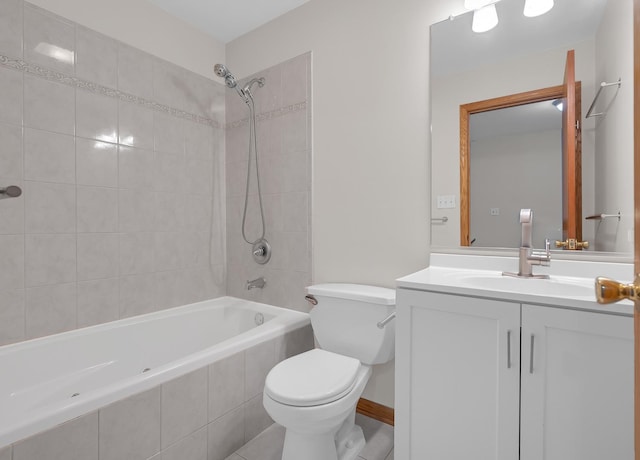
{"points": [[231, 81], [221, 70]]}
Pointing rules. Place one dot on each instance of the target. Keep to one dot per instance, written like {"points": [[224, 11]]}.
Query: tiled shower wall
{"points": [[120, 157], [283, 106]]}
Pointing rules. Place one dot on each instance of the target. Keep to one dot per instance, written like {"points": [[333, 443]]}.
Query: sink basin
{"points": [[556, 286]]}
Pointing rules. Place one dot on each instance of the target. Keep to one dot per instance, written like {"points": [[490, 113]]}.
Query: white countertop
{"points": [[571, 283]]}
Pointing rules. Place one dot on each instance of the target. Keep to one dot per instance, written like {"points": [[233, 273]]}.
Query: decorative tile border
{"points": [[270, 115], [58, 77]]}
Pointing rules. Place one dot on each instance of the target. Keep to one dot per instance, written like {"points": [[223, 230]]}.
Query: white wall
{"points": [[535, 185], [144, 26], [614, 131], [514, 76], [371, 178]]}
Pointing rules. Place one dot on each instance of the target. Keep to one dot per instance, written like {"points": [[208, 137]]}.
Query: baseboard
{"points": [[376, 411]]}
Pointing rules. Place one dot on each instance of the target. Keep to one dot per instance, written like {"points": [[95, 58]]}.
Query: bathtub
{"points": [[51, 380]]}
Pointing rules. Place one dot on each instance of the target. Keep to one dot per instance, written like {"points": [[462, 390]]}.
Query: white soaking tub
{"points": [[50, 380]]}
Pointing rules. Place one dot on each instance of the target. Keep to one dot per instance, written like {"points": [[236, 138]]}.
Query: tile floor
{"points": [[268, 444]]}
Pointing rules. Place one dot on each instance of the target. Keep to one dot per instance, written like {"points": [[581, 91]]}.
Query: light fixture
{"points": [[533, 8], [485, 19], [558, 104]]}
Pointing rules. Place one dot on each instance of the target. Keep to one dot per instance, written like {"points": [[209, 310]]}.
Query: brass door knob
{"points": [[609, 291], [572, 244]]}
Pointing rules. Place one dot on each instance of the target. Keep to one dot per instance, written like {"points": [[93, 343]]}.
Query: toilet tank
{"points": [[345, 321]]}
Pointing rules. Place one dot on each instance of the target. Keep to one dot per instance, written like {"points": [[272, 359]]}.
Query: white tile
{"points": [[226, 385], [294, 132], [295, 211], [259, 360], [97, 209], [130, 429], [135, 125], [13, 255], [11, 317], [98, 301], [197, 213], [74, 440], [266, 446], [256, 418], [390, 456], [168, 84], [49, 157], [198, 141], [135, 71], [96, 57], [50, 208], [12, 211], [11, 28], [49, 259], [169, 132], [167, 251], [294, 80], [171, 212], [226, 435], [137, 211], [11, 156], [49, 106], [96, 163], [184, 408], [136, 168], [170, 290], [136, 253], [170, 173], [269, 97], [137, 295], [50, 309], [294, 342], [49, 40], [11, 96], [379, 437], [193, 447], [96, 116], [97, 256]]}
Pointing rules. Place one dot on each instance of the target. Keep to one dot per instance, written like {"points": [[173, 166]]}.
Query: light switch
{"points": [[446, 201]]}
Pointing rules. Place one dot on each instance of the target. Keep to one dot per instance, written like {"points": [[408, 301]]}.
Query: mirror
{"points": [[521, 55]]}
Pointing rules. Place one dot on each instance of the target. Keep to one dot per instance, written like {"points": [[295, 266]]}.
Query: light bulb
{"points": [[485, 19]]}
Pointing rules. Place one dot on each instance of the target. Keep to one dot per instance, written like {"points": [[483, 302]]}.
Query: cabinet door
{"points": [[577, 392], [458, 372]]}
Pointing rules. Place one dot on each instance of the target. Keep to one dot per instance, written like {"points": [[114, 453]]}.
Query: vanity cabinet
{"points": [[470, 385]]}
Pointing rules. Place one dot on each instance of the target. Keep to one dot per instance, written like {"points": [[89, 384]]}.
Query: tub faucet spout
{"points": [[258, 283]]}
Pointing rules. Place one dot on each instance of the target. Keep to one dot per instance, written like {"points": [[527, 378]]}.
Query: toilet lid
{"points": [[312, 378]]}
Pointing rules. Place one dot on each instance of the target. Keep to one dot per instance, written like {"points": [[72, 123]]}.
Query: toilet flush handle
{"points": [[384, 322]]}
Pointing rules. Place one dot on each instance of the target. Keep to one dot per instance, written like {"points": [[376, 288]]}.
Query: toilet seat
{"points": [[312, 378]]}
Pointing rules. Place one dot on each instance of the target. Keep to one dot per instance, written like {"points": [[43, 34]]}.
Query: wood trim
{"points": [[376, 411], [466, 110]]}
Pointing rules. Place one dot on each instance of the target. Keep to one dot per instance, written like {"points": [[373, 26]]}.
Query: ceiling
{"points": [[226, 20], [455, 48]]}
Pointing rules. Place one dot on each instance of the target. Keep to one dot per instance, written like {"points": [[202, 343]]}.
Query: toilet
{"points": [[314, 395]]}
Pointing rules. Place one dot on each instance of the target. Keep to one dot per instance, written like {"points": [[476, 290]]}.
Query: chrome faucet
{"points": [[527, 256], [258, 283]]}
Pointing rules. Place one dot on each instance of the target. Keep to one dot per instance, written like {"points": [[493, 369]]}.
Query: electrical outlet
{"points": [[446, 201], [494, 211]]}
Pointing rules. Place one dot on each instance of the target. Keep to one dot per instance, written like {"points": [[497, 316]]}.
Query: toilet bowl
{"points": [[319, 413], [314, 395]]}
